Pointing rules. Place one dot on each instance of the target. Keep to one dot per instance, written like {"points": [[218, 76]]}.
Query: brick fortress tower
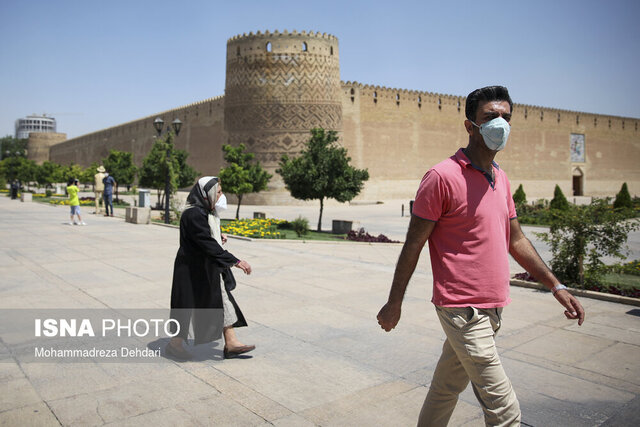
{"points": [[278, 87]]}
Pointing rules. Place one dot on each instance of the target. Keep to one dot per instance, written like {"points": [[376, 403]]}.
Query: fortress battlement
{"points": [[278, 34], [528, 110], [172, 112]]}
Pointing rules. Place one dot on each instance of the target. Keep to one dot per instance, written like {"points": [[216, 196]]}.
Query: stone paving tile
{"points": [[36, 415], [560, 385], [17, 393], [243, 394], [127, 399], [55, 381], [302, 376], [565, 347], [619, 361]]}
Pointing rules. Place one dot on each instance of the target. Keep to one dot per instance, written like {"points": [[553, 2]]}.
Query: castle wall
{"points": [[280, 85], [399, 134], [202, 136]]}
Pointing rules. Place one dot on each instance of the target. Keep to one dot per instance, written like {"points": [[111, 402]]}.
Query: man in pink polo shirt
{"points": [[465, 209]]}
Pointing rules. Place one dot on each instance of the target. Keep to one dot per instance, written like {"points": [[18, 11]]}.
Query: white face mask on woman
{"points": [[221, 204], [495, 133]]}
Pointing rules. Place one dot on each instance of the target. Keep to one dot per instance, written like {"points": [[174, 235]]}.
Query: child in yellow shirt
{"points": [[74, 202]]}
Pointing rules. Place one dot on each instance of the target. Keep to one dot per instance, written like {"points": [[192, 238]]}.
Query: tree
{"points": [[18, 167], [242, 176], [519, 197], [186, 174], [154, 167], [559, 202], [71, 171], [12, 147], [120, 166], [322, 171], [49, 173], [586, 233], [623, 199]]}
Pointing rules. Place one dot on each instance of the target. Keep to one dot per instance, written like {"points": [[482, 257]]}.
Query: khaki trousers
{"points": [[98, 195], [469, 354]]}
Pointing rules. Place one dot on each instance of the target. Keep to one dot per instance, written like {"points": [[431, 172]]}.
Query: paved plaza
{"points": [[321, 358]]}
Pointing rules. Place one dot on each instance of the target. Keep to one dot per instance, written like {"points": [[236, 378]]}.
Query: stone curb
{"points": [[326, 242], [249, 239], [580, 292]]}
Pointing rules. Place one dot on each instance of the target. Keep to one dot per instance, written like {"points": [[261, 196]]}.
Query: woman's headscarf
{"points": [[205, 195]]}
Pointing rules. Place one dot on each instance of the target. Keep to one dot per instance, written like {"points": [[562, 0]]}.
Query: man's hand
{"points": [[223, 237], [573, 307], [389, 316]]}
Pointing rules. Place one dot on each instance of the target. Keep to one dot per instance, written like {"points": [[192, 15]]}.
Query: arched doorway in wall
{"points": [[578, 182]]}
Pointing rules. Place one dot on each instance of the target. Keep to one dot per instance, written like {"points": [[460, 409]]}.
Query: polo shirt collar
{"points": [[464, 160]]}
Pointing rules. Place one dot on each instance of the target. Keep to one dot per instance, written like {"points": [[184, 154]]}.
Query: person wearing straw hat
{"points": [[98, 187]]}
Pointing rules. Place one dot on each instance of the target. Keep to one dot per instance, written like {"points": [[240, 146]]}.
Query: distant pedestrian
{"points": [[109, 183], [74, 202], [98, 187], [15, 186]]}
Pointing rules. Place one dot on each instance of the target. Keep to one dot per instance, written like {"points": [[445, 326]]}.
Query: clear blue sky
{"points": [[97, 64]]}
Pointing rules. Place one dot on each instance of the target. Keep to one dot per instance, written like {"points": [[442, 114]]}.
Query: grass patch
{"points": [[84, 201], [626, 281]]}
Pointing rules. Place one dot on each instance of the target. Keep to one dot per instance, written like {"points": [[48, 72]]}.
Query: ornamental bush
{"points": [[623, 199], [581, 236], [519, 197], [300, 225], [559, 202]]}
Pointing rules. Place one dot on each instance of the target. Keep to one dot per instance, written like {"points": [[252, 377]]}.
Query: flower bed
{"points": [[84, 201], [362, 236], [254, 228]]}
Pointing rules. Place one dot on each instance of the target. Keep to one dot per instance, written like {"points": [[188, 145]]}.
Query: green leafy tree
{"points": [[581, 235], [120, 165], [49, 173], [559, 202], [156, 164], [18, 167], [623, 199], [88, 174], [242, 176], [12, 147], [322, 171], [186, 174], [72, 171], [519, 197]]}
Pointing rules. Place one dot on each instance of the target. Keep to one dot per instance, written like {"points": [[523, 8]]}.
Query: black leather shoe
{"points": [[230, 353], [178, 353]]}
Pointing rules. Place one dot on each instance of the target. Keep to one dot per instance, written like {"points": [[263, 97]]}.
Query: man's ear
{"points": [[468, 126]]}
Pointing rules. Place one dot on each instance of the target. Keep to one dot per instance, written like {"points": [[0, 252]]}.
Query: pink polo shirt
{"points": [[469, 245]]}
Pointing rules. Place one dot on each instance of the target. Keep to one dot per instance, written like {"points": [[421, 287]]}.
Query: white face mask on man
{"points": [[495, 133], [221, 203]]}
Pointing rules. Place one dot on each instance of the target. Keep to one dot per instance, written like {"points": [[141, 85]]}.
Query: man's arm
{"points": [[526, 255], [417, 235]]}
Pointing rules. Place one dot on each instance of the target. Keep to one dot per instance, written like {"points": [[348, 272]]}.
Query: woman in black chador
{"points": [[202, 278]]}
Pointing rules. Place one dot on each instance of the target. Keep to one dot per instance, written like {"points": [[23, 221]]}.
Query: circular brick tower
{"points": [[278, 87]]}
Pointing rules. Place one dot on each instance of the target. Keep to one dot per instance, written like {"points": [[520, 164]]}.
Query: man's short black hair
{"points": [[489, 93]]}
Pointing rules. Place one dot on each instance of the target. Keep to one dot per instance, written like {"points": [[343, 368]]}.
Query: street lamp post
{"points": [[158, 123]]}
